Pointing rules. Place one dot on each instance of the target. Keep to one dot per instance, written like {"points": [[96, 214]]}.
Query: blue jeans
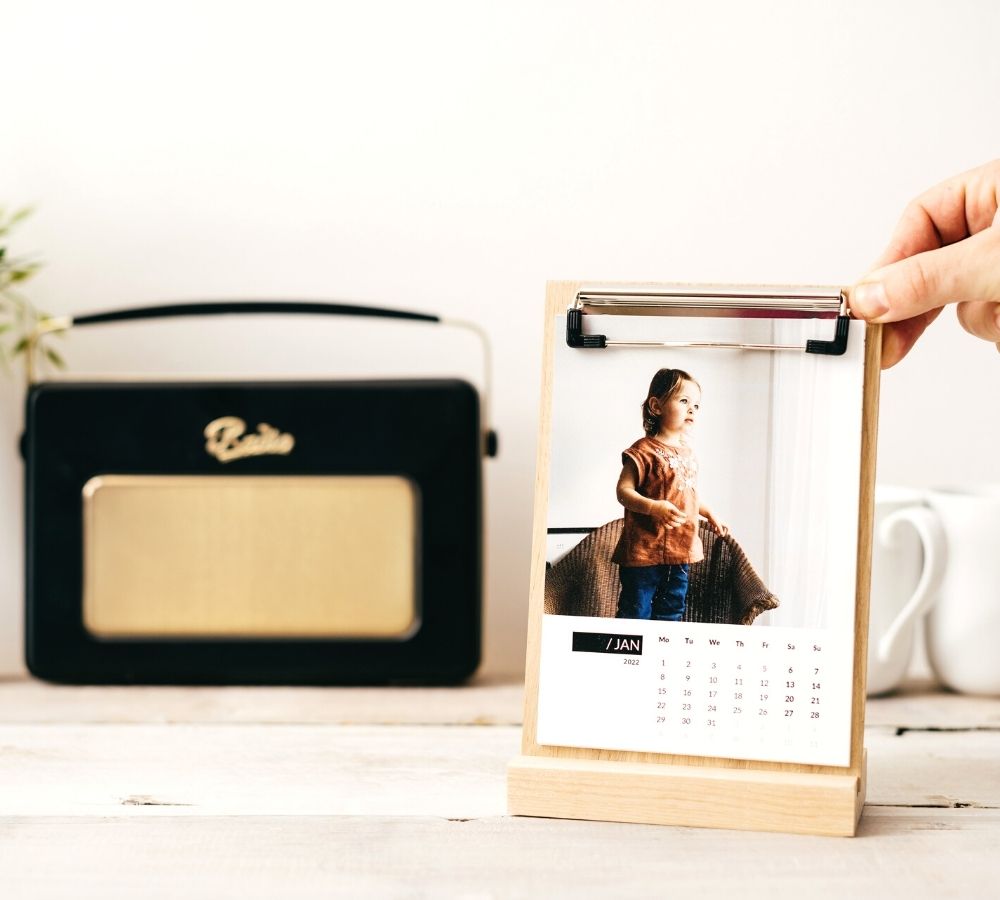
{"points": [[653, 592]]}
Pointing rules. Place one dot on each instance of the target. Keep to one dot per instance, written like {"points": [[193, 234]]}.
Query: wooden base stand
{"points": [[750, 799]]}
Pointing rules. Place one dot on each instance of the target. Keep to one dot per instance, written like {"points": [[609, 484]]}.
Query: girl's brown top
{"points": [[665, 473]]}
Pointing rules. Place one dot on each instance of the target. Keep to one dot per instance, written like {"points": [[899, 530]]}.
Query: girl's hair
{"points": [[665, 384]]}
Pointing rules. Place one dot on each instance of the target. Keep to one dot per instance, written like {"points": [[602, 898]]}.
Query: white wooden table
{"points": [[274, 792]]}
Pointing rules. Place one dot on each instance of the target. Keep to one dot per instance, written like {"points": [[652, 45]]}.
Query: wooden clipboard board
{"points": [[636, 771]]}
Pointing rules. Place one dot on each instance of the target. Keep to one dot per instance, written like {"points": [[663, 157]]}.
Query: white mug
{"points": [[963, 629], [908, 563]]}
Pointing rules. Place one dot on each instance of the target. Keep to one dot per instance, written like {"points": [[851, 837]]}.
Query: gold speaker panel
{"points": [[250, 556]]}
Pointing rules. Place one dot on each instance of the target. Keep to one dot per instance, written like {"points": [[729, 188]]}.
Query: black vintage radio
{"points": [[279, 532]]}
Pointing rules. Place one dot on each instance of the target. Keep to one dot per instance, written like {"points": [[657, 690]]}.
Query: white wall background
{"points": [[454, 156]]}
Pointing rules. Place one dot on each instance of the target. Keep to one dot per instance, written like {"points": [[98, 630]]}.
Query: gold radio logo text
{"points": [[228, 440]]}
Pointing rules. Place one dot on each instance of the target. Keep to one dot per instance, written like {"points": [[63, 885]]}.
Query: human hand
{"points": [[718, 527], [671, 515], [945, 249]]}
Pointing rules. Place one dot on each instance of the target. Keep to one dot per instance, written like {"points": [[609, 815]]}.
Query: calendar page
{"points": [[702, 542]]}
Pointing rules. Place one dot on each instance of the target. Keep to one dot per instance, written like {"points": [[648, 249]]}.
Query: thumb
{"points": [[966, 270]]}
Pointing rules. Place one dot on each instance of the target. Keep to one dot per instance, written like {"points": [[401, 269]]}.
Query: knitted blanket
{"points": [[723, 588]]}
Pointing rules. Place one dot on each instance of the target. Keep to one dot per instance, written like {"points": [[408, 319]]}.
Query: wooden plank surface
{"points": [[901, 853], [265, 792], [923, 704], [329, 770], [479, 703], [933, 768], [455, 771]]}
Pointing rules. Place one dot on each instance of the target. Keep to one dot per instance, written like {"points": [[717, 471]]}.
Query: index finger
{"points": [[948, 212]]}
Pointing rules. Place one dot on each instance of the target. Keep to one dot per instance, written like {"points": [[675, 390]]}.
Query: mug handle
{"points": [[932, 540]]}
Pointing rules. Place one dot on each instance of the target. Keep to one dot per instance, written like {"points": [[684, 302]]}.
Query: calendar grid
{"points": [[765, 693]]}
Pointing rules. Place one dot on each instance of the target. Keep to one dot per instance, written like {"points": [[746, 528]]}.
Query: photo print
{"points": [[738, 467]]}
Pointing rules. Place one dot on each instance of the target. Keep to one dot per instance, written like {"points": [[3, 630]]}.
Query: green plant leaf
{"points": [[19, 215], [18, 315], [54, 358], [24, 273]]}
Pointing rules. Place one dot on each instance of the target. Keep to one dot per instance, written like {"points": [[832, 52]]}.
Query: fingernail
{"points": [[869, 300]]}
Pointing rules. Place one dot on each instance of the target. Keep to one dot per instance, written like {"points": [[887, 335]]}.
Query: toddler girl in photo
{"points": [[657, 487]]}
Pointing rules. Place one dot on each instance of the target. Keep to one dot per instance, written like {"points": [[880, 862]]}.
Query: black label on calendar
{"points": [[597, 642]]}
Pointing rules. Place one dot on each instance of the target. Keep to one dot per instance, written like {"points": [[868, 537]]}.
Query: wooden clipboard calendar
{"points": [[701, 558]]}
